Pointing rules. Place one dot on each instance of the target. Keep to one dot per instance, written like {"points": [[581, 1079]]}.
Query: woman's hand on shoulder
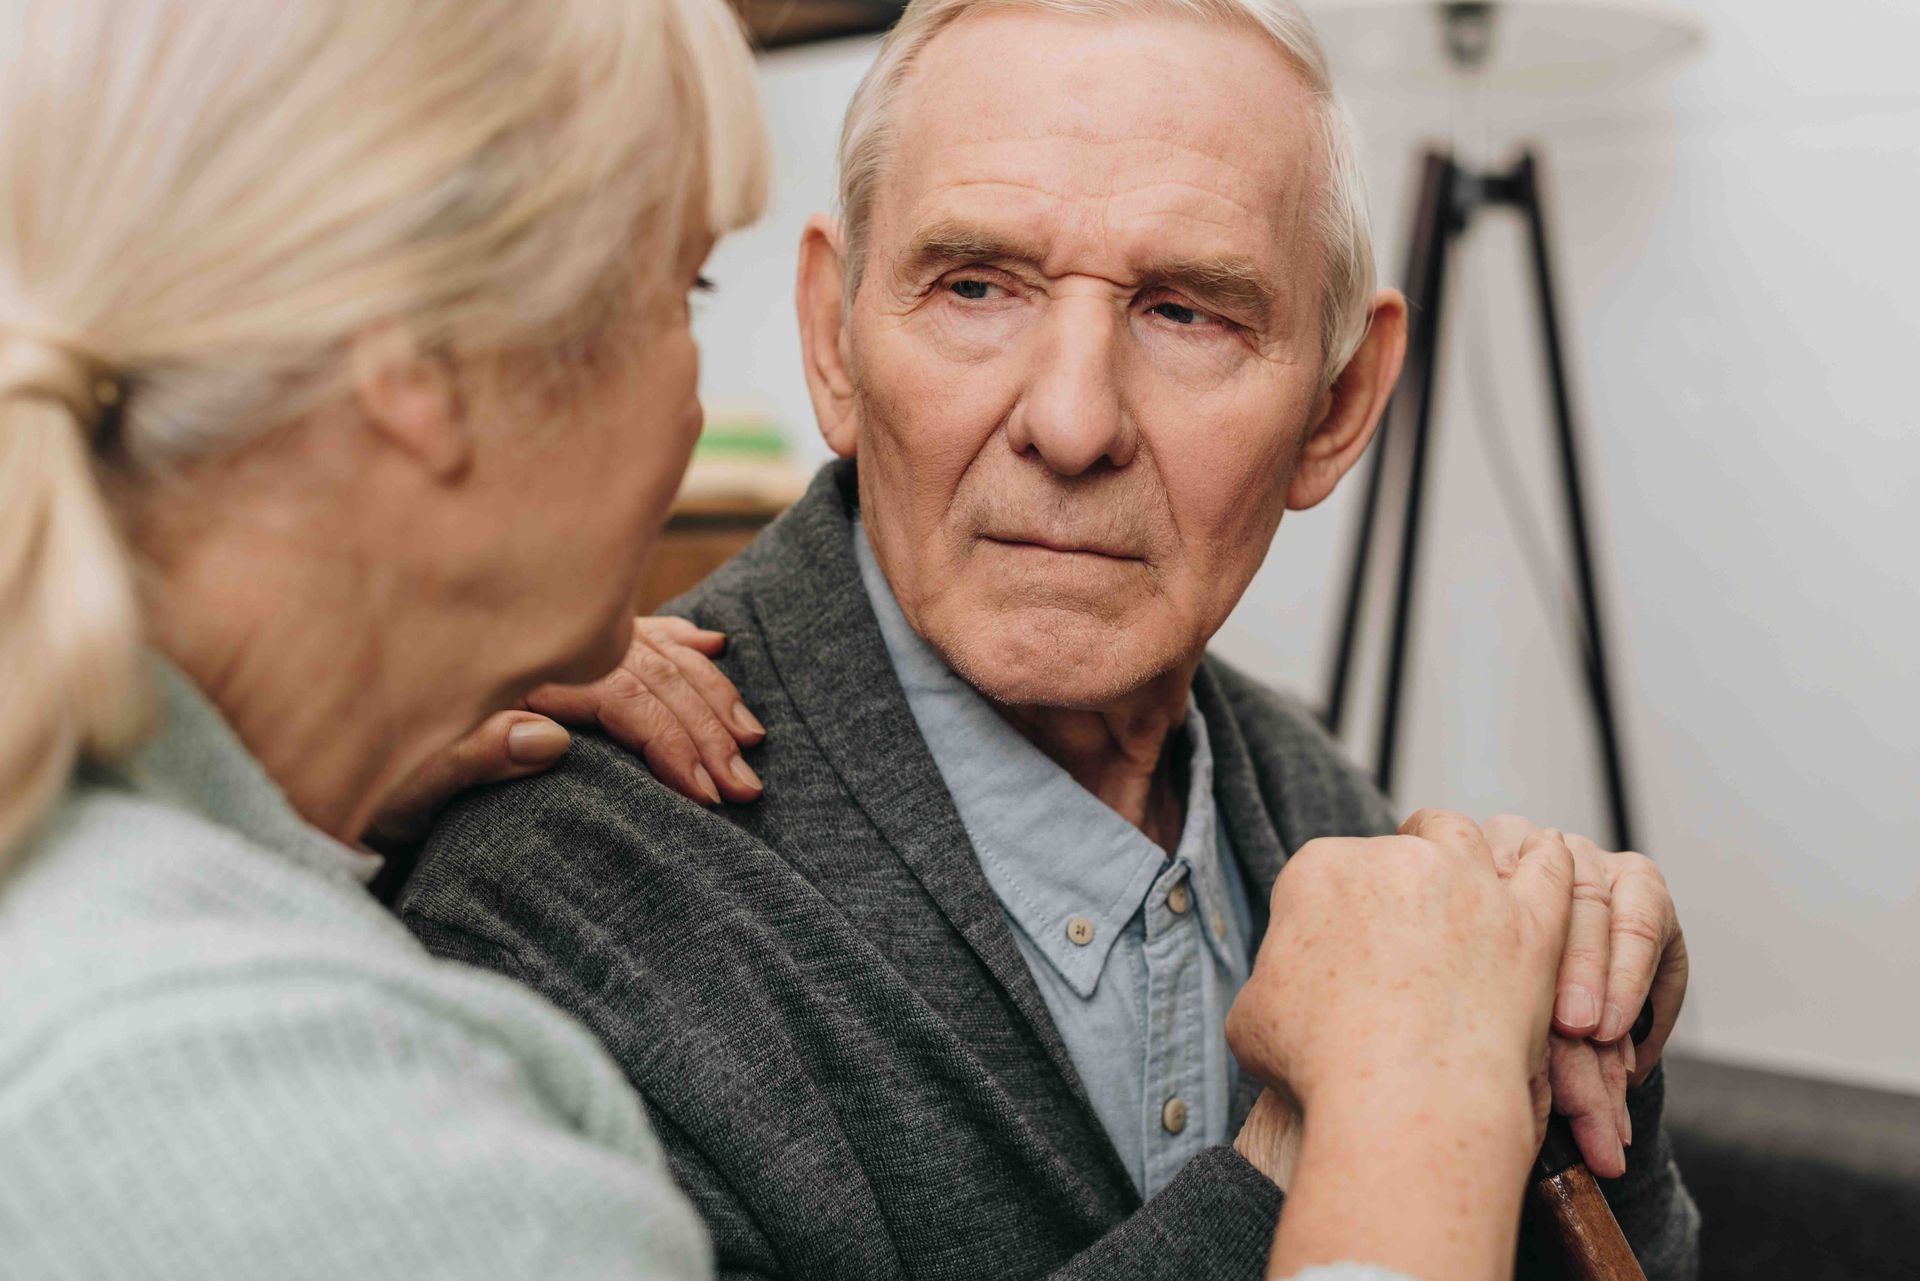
{"points": [[666, 701]]}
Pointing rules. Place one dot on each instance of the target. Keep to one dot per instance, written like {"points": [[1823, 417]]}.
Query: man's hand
{"points": [[1270, 1136], [1623, 943], [666, 701]]}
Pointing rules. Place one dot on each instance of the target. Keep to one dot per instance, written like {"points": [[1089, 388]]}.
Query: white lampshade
{"points": [[1536, 45]]}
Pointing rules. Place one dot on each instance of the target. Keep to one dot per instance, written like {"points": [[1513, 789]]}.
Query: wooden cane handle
{"points": [[1591, 1243]]}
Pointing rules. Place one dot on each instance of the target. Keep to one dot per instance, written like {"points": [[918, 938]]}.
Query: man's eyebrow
{"points": [[942, 243], [1234, 283]]}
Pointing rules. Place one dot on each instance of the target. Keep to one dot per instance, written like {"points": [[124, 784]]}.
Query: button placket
{"points": [[1173, 1120]]}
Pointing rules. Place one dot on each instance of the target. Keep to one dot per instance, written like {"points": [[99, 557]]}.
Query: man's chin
{"points": [[1077, 667]]}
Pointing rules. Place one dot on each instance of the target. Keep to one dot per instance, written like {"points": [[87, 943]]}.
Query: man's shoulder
{"points": [[1301, 769], [587, 842]]}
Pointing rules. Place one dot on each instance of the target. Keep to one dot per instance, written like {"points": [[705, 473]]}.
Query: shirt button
{"points": [[1174, 1115], [1080, 931], [1219, 926], [1179, 899]]}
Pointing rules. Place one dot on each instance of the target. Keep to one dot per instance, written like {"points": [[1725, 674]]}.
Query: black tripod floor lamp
{"points": [[1451, 195]]}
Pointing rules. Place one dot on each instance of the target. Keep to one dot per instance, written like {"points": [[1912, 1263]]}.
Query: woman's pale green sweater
{"points": [[220, 1057]]}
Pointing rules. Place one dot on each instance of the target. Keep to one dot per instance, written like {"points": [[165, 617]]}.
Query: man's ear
{"points": [[410, 399], [1350, 409], [819, 297]]}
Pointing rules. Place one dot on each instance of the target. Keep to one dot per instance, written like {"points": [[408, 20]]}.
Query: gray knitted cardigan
{"points": [[819, 997]]}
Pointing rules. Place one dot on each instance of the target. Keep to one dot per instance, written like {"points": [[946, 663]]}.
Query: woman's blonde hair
{"points": [[1339, 213], [202, 200]]}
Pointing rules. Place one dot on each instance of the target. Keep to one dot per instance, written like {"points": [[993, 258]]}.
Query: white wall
{"points": [[1740, 244]]}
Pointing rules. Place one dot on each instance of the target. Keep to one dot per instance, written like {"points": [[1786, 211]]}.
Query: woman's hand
{"points": [[1405, 956], [666, 701], [1403, 995]]}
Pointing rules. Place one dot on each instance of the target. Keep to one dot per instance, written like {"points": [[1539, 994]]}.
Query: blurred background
{"points": [[1737, 253]]}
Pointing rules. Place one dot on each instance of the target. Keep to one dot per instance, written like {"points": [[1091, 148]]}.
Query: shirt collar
{"points": [[195, 760], [1059, 859]]}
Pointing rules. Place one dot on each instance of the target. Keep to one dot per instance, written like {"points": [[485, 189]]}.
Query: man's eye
{"points": [[974, 290], [1178, 313]]}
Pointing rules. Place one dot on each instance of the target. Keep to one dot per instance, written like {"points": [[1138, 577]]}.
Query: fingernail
{"points": [[744, 775], [746, 720], [1576, 1006], [1619, 1158], [705, 780], [1626, 1124], [536, 743], [1612, 1024]]}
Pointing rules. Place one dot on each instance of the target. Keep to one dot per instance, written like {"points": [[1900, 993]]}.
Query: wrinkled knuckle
{"points": [[1594, 892], [1590, 957], [651, 666], [674, 743], [621, 685], [1638, 923], [715, 740]]}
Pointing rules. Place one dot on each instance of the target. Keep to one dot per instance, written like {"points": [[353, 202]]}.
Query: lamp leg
{"points": [[1423, 241], [1439, 219], [1599, 687]]}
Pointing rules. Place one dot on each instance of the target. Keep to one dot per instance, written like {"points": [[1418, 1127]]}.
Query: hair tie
{"points": [[34, 366]]}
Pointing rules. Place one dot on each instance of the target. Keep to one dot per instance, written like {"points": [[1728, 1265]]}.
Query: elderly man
{"points": [[948, 1002]]}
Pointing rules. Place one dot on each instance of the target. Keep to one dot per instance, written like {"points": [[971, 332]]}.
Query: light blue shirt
{"points": [[1137, 954]]}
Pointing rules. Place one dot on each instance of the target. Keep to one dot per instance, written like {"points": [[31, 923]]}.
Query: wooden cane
{"points": [[1591, 1243]]}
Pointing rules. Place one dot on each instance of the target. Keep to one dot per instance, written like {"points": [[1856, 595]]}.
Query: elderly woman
{"points": [[345, 378]]}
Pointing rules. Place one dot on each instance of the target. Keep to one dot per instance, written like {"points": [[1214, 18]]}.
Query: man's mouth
{"points": [[1063, 546]]}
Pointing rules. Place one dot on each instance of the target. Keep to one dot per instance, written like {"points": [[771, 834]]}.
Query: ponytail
{"points": [[72, 682]]}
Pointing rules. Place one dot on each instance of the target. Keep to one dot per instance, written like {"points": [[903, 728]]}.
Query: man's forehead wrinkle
{"points": [[1152, 211], [1156, 177]]}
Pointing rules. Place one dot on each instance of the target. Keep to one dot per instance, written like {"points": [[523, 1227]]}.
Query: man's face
{"points": [[1085, 348]]}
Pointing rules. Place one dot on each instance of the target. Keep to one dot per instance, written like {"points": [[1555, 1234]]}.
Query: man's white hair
{"points": [[1340, 208]]}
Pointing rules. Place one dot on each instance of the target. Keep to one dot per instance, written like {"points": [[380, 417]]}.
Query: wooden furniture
{"points": [[776, 23], [701, 535]]}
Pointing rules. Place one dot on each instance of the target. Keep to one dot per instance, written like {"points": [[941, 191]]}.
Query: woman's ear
{"points": [[410, 399], [819, 297], [1350, 409]]}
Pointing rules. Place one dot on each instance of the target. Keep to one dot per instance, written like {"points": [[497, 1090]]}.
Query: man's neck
{"points": [[1119, 752]]}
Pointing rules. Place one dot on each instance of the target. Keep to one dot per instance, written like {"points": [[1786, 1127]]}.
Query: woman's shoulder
{"points": [[128, 902], [124, 888], [203, 1026]]}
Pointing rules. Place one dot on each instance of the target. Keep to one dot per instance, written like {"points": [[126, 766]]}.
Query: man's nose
{"points": [[1071, 413]]}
